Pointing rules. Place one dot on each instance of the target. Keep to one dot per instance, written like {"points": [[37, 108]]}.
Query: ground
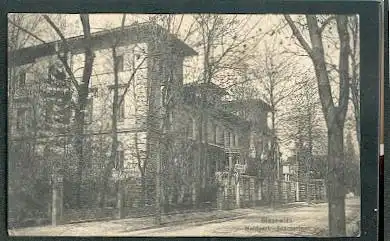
{"points": [[298, 219]]}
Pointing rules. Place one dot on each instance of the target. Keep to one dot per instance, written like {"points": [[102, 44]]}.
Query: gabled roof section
{"points": [[237, 104], [209, 87], [135, 33], [224, 116]]}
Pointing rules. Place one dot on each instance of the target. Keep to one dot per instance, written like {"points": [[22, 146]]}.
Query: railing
{"points": [[25, 91]]}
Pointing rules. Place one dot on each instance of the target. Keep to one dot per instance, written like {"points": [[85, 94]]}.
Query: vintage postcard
{"points": [[183, 125]]}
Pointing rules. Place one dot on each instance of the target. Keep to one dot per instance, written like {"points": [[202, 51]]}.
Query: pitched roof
{"points": [[251, 102], [207, 86], [135, 33]]}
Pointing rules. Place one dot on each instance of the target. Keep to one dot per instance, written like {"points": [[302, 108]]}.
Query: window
{"points": [[21, 81], [21, 118], [121, 110], [89, 106], [214, 131], [220, 135], [89, 110], [50, 72], [121, 102], [67, 115], [227, 140], [119, 63], [227, 160], [187, 128], [194, 129], [170, 120], [235, 158], [56, 73], [120, 156], [48, 111], [235, 140], [287, 177], [211, 132]]}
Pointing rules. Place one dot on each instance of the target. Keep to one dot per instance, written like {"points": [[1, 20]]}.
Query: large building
{"points": [[192, 129]]}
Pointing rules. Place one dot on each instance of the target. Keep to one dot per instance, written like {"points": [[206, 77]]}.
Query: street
{"points": [[297, 219]]}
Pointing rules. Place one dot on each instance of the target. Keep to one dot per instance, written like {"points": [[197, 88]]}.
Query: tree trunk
{"points": [[80, 154], [336, 192], [158, 187], [83, 95], [334, 115], [144, 193], [114, 131], [120, 200], [106, 174], [308, 191], [199, 177]]}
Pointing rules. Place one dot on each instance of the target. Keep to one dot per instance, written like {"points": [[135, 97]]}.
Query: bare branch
{"points": [[63, 58], [298, 34], [26, 31], [129, 81], [326, 23]]}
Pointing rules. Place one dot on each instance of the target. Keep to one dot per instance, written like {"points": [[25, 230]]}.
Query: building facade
{"points": [[188, 129]]}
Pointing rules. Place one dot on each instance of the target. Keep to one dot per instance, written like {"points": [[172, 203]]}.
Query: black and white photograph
{"points": [[171, 125]]}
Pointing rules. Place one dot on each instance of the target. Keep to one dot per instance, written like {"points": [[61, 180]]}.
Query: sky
{"points": [[258, 24]]}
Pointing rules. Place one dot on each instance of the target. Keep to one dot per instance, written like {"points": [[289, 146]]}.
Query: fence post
{"points": [[284, 192], [324, 190], [260, 190], [238, 192], [297, 191], [193, 194], [120, 201], [220, 198], [253, 191], [57, 199]]}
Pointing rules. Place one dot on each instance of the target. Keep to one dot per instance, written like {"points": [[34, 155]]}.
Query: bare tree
{"points": [[118, 99], [25, 175], [334, 113], [275, 76], [353, 26], [82, 89], [224, 49], [306, 126]]}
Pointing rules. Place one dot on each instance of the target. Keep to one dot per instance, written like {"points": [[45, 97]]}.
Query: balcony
{"points": [[23, 92]]}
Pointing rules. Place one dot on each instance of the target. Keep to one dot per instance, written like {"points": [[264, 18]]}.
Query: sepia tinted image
{"points": [[183, 125]]}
